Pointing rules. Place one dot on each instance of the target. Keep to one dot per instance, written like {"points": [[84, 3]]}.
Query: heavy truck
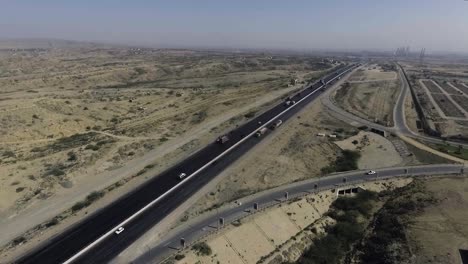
{"points": [[276, 124], [222, 139], [261, 132]]}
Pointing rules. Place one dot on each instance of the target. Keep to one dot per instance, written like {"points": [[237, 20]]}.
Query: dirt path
{"points": [[436, 106], [13, 223], [431, 150]]}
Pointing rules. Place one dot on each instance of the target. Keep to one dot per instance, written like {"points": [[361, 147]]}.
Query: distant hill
{"points": [[48, 44]]}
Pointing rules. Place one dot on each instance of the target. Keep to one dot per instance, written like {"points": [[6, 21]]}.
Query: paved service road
{"points": [[93, 240], [400, 126], [209, 224]]}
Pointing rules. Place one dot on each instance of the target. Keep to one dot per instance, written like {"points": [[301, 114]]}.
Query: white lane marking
{"points": [[87, 248]]}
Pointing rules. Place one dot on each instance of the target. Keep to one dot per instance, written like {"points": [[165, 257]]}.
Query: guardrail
{"points": [[139, 212], [298, 195]]}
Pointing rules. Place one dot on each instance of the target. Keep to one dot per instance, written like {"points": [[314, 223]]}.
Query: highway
{"points": [[208, 224], [93, 240]]}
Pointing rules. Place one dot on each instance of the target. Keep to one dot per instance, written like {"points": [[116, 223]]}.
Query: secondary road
{"points": [[93, 240], [209, 224], [400, 127]]}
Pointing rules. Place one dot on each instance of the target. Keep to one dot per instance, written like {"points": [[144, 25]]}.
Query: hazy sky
{"points": [[440, 25]]}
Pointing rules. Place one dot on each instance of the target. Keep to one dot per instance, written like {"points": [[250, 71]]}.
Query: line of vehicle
{"points": [[126, 221]]}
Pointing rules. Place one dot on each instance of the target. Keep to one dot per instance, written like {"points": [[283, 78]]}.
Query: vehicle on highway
{"points": [[288, 103], [276, 124], [182, 175], [371, 172], [119, 230], [238, 203], [261, 132], [222, 139]]}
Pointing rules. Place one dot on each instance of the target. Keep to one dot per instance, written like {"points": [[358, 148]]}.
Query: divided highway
{"points": [[93, 240]]}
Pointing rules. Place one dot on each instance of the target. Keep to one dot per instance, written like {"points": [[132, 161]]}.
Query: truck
{"points": [[322, 82], [261, 132], [276, 124], [222, 139]]}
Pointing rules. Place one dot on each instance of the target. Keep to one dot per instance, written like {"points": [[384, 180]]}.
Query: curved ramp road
{"points": [[93, 240], [208, 224], [399, 127]]}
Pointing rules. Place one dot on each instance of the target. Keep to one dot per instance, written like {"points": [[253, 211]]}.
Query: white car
{"points": [[238, 203], [119, 230], [371, 172], [182, 175]]}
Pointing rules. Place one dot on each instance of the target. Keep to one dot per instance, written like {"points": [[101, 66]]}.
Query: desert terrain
{"points": [[93, 118], [371, 93], [439, 231], [276, 235], [295, 152]]}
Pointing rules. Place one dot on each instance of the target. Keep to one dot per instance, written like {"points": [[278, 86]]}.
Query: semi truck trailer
{"points": [[261, 132]]}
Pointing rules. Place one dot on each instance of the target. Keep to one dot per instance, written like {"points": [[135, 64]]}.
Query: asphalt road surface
{"points": [[400, 126], [209, 224], [93, 240]]}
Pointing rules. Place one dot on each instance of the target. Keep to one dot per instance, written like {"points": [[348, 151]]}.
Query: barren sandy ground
{"points": [[293, 152], [376, 151], [370, 94], [442, 71], [410, 113], [278, 233], [77, 120], [441, 230]]}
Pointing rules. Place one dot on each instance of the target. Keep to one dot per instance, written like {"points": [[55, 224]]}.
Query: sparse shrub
{"points": [[35, 116], [19, 189], [250, 114], [114, 120], [355, 142], [8, 154], [92, 147], [56, 171], [179, 257], [199, 117], [79, 205], [202, 249], [141, 172], [18, 240], [93, 196], [347, 161], [52, 222], [72, 156], [149, 166]]}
